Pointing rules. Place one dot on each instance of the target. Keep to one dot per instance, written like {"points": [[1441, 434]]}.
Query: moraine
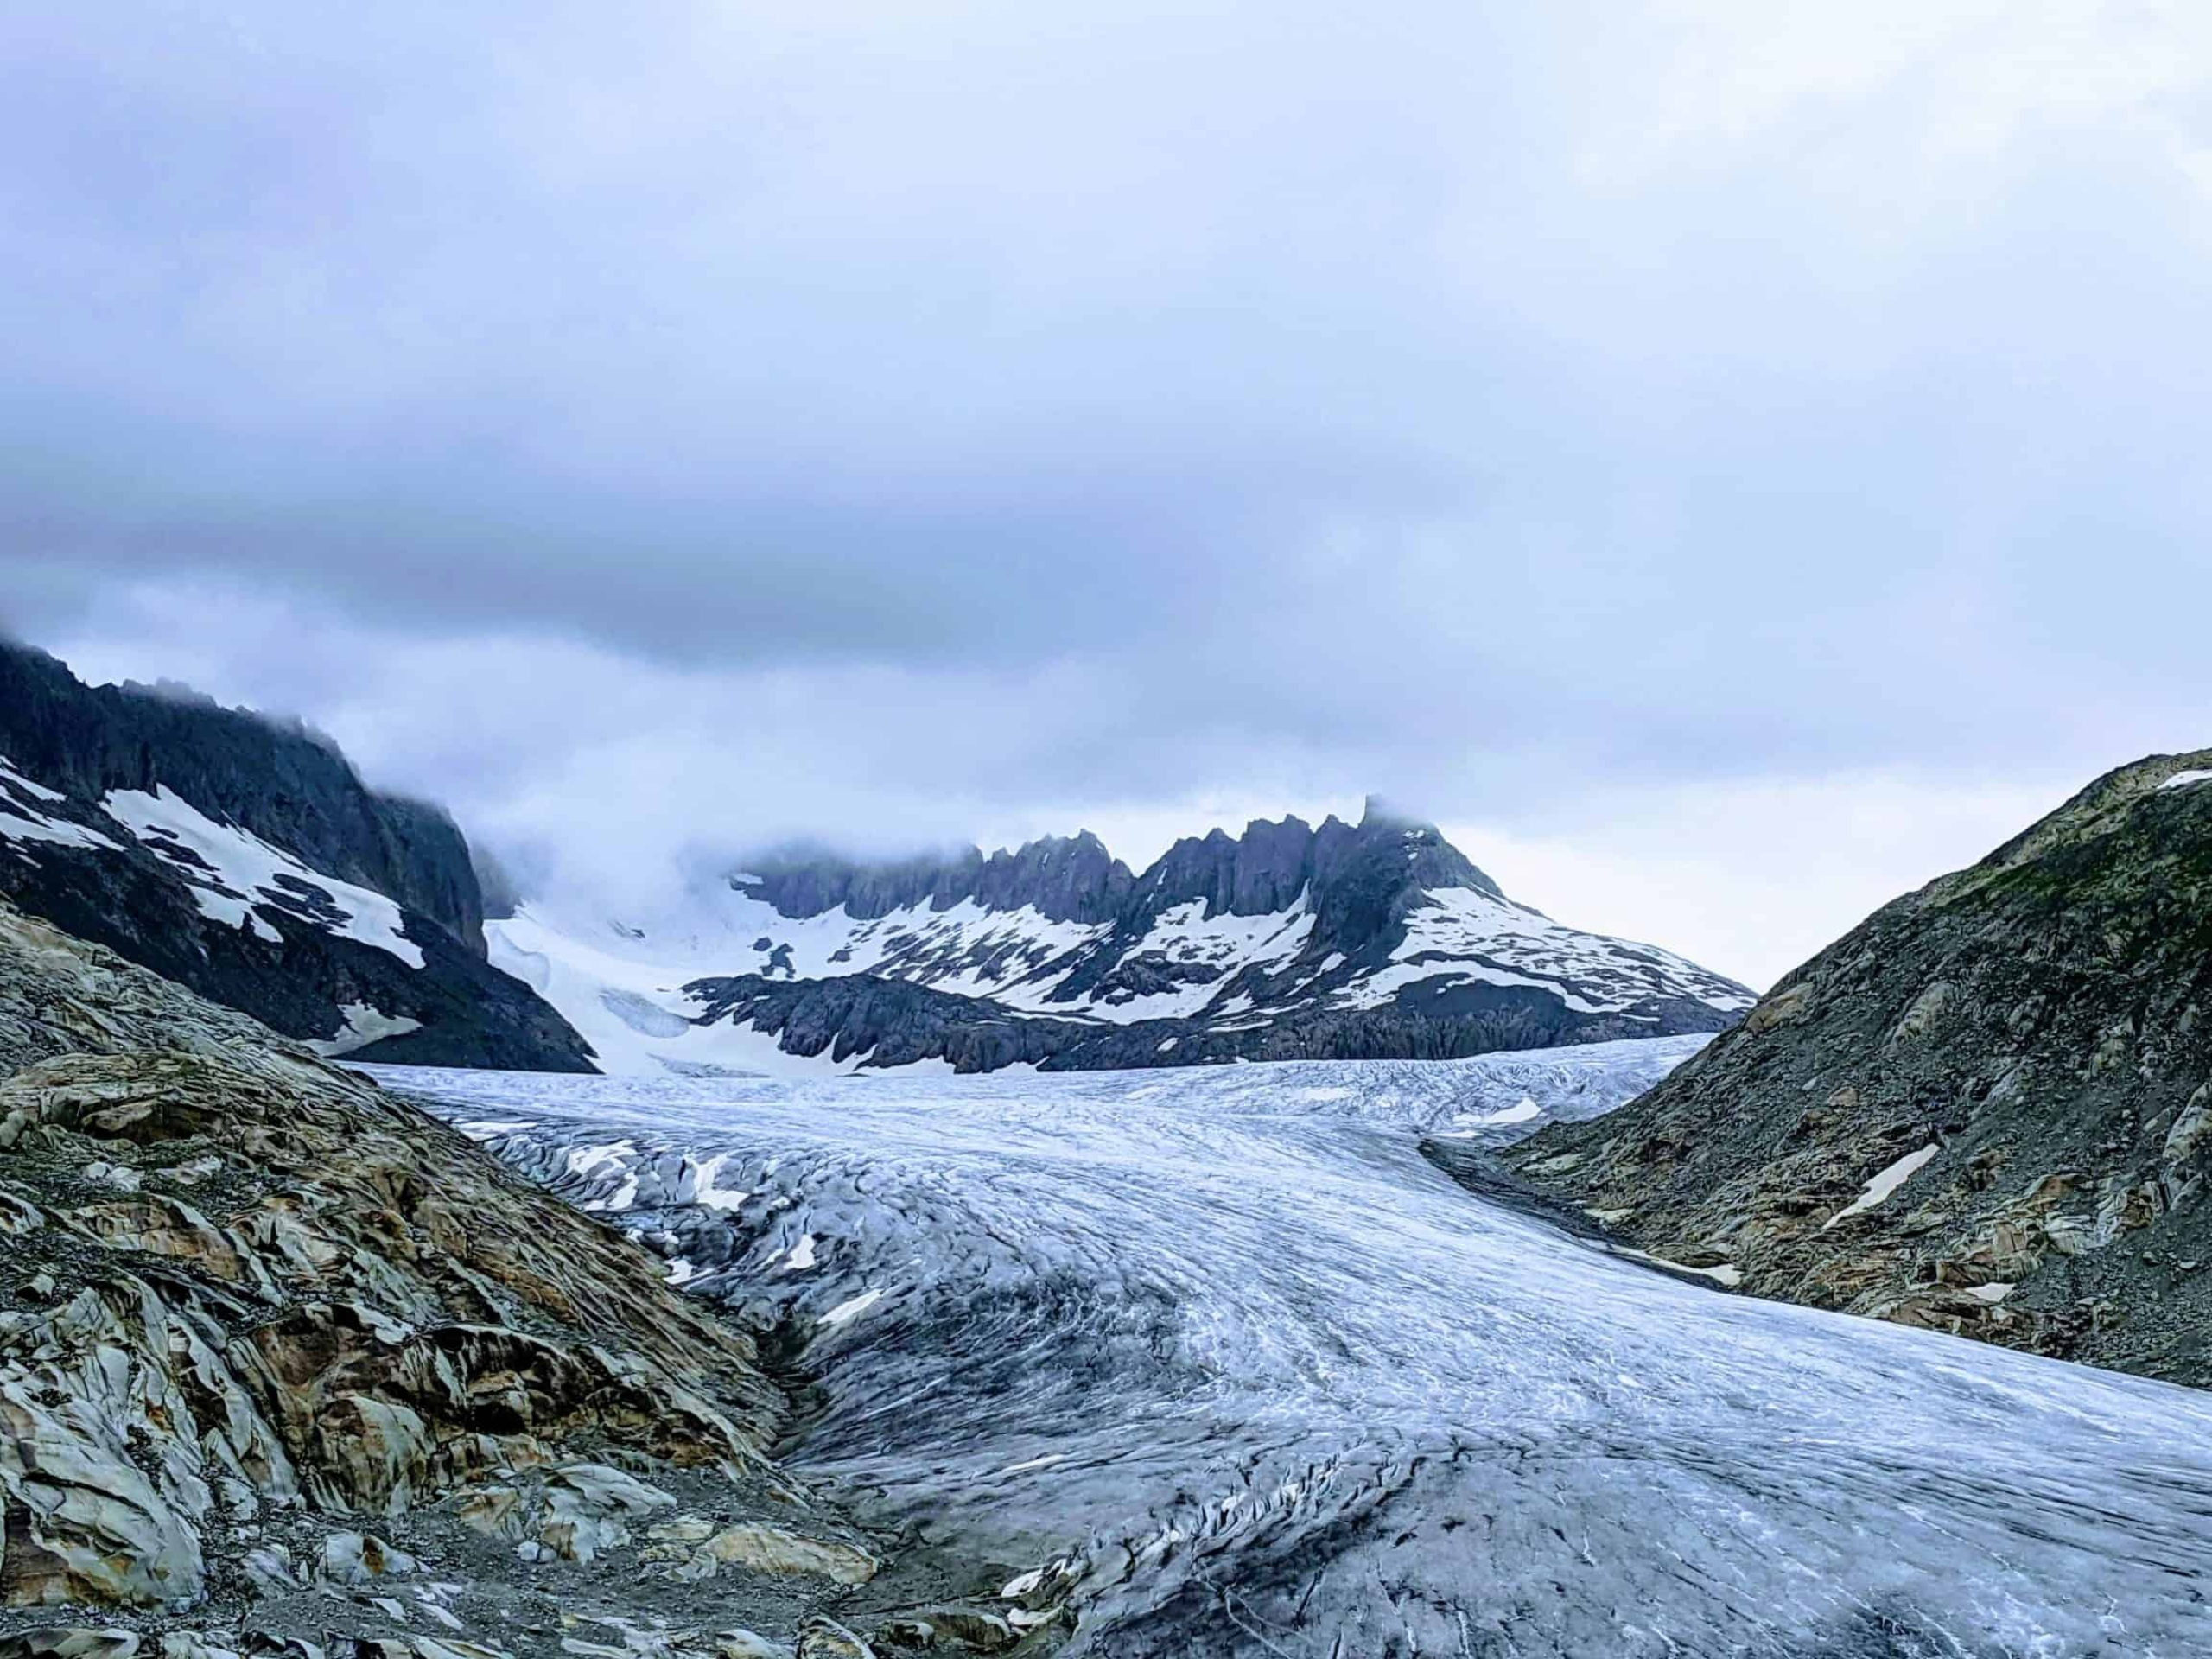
{"points": [[1218, 1357]]}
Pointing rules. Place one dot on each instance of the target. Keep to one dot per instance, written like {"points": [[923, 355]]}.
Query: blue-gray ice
{"points": [[1219, 1358]]}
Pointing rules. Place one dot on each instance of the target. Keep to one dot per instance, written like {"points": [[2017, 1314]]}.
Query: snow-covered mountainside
{"points": [[1217, 1361], [1373, 940], [246, 861]]}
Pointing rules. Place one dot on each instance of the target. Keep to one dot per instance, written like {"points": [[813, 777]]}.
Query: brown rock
{"points": [[760, 1548], [825, 1639]]}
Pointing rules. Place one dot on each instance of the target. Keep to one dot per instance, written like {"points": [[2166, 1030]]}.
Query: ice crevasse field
{"points": [[1219, 1358]]}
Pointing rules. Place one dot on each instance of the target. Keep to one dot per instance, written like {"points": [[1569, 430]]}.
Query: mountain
{"points": [[245, 859], [1374, 940], [1987, 1109]]}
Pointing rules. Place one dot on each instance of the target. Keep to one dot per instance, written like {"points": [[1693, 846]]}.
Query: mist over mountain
{"points": [[244, 859], [1365, 940]]}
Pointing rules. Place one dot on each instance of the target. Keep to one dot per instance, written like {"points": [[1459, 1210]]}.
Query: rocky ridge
{"points": [[245, 859], [1988, 1109], [287, 1368], [1375, 940]]}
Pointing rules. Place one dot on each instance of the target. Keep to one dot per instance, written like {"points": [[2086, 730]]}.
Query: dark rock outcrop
{"points": [[880, 1023], [1064, 879], [270, 932], [885, 1022], [1987, 1109], [281, 780]]}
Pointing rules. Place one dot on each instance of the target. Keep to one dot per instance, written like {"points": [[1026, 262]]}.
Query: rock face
{"points": [[286, 1367], [1071, 879], [1376, 940], [245, 860], [1988, 1109]]}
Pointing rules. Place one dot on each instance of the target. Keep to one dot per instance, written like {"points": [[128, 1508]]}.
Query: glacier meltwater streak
{"points": [[1220, 1360]]}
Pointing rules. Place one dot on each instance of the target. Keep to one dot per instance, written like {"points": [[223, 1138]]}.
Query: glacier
{"points": [[1221, 1361]]}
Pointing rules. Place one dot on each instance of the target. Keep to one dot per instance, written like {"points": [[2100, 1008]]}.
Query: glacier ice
{"points": [[1221, 1358]]}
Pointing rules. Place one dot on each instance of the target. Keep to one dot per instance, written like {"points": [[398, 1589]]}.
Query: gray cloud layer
{"points": [[1117, 403]]}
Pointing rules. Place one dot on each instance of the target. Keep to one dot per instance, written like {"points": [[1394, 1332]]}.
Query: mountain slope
{"points": [[1988, 1108], [289, 1368], [245, 860], [1376, 940]]}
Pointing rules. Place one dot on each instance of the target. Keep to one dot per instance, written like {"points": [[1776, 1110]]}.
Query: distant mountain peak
{"points": [[1284, 940]]}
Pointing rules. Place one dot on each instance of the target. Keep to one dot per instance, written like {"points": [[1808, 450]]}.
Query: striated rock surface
{"points": [[1986, 1110], [287, 1367]]}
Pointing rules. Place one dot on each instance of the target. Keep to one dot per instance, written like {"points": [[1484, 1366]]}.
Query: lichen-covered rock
{"points": [[953, 1630], [588, 1508], [71, 1642], [744, 1644], [1986, 1111], [825, 1639], [358, 1558], [762, 1549], [79, 1387]]}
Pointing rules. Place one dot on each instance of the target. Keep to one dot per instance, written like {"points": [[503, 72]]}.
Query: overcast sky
{"points": [[1727, 461]]}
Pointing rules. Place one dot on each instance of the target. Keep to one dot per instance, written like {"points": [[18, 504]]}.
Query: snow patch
{"points": [[364, 1025], [851, 1309], [1464, 935], [231, 870], [582, 1160], [36, 790], [1883, 1184], [705, 1189], [635, 1014], [34, 825], [1726, 1274], [1186, 936], [1521, 1112]]}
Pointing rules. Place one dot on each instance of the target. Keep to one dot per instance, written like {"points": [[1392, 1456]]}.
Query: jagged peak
{"points": [[1076, 878], [280, 779], [1046, 846], [1066, 878]]}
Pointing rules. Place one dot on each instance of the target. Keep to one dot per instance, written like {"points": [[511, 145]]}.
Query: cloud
{"points": [[1755, 877], [900, 425], [591, 771]]}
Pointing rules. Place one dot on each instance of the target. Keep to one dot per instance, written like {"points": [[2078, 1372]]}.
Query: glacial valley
{"points": [[1219, 1361]]}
